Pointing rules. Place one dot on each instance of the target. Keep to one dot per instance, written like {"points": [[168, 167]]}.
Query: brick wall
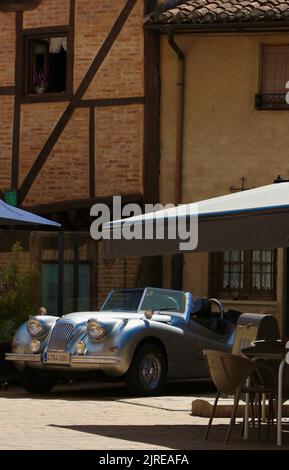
{"points": [[6, 129], [117, 275], [119, 142], [65, 174], [7, 49], [48, 13], [122, 73]]}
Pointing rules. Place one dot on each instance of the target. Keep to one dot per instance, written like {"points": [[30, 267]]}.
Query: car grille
{"points": [[60, 335]]}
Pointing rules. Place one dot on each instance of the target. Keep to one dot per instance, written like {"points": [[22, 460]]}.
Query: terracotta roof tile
{"points": [[220, 11]]}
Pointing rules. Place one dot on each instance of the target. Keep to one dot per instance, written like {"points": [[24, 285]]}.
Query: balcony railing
{"points": [[271, 101], [18, 5]]}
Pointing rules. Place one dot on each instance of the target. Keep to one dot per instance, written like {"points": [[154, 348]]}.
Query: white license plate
{"points": [[57, 358]]}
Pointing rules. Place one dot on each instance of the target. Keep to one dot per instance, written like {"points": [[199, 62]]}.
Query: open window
{"points": [[46, 65]]}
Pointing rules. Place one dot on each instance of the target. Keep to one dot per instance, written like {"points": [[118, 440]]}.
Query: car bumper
{"points": [[98, 361]]}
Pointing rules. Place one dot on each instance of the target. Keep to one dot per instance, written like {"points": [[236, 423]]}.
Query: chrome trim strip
{"points": [[23, 357], [105, 360], [95, 360]]}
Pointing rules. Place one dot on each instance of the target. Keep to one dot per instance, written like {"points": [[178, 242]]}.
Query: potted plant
{"points": [[40, 79]]}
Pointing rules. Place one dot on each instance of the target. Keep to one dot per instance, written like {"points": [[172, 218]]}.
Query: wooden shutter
{"points": [[275, 69]]}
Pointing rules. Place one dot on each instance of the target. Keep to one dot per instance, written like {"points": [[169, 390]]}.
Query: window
{"points": [[46, 65], [243, 274], [274, 74], [50, 287]]}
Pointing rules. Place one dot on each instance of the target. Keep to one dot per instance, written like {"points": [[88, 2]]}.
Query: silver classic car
{"points": [[144, 336]]}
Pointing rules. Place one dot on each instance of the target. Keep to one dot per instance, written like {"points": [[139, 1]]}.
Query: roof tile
{"points": [[220, 11]]}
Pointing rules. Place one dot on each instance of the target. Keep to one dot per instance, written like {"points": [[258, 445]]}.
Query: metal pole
{"points": [[60, 274], [280, 404], [286, 292], [76, 272]]}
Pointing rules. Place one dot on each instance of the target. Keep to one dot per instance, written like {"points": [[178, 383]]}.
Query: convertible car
{"points": [[144, 336]]}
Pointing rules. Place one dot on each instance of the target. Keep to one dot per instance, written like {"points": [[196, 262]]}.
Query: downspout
{"points": [[178, 259], [180, 119]]}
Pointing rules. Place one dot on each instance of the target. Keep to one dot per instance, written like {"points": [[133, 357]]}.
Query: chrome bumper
{"points": [[98, 360], [23, 357]]}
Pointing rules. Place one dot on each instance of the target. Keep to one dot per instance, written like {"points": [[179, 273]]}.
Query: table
{"points": [[272, 356]]}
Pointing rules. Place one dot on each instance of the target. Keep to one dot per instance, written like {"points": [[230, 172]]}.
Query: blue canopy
{"points": [[10, 215]]}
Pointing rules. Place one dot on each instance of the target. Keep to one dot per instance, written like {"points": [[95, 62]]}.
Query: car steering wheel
{"points": [[220, 305]]}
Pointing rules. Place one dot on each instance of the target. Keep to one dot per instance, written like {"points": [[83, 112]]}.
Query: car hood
{"points": [[109, 317]]}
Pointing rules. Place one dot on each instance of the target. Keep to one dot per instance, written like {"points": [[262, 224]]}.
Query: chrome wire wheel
{"points": [[150, 371]]}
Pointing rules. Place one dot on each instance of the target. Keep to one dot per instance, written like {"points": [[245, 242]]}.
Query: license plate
{"points": [[57, 358]]}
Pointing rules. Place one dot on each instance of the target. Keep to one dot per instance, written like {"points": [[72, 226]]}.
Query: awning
{"points": [[10, 215], [252, 219]]}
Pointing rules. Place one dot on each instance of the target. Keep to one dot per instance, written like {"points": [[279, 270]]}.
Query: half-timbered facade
{"points": [[78, 124]]}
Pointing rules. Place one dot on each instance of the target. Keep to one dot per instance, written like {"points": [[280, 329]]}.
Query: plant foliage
{"points": [[16, 281]]}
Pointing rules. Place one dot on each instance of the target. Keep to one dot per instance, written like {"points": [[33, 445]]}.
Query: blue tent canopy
{"points": [[10, 215]]}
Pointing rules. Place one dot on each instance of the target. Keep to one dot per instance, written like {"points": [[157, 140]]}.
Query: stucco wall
{"points": [[225, 136]]}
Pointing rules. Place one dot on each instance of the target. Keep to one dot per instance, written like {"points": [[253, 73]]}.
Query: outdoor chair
{"points": [[229, 373]]}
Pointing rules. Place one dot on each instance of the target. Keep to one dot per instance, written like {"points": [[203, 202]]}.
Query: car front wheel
{"points": [[147, 373], [34, 382]]}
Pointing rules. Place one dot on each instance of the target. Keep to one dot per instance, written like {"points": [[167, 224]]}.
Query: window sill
{"points": [[46, 98], [274, 102], [269, 107]]}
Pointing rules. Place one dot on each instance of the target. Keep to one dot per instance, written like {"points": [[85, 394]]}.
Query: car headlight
{"points": [[95, 330], [35, 327], [35, 346]]}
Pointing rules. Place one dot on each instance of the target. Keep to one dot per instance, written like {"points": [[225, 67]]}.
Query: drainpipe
{"points": [[180, 118], [178, 260]]}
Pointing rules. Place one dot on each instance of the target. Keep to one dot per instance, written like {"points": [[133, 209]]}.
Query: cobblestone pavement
{"points": [[105, 418]]}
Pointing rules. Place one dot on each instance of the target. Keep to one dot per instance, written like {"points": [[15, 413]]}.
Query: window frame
{"points": [[259, 104], [216, 275], [40, 34]]}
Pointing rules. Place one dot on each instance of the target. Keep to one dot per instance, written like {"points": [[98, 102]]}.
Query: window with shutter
{"points": [[274, 77]]}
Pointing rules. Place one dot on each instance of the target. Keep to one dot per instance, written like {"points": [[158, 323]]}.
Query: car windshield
{"points": [[158, 299], [127, 300], [130, 300]]}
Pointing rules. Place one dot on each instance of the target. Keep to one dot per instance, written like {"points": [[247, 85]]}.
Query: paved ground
{"points": [[105, 418]]}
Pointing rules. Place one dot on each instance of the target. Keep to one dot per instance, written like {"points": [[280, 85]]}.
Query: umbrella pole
{"points": [[286, 293], [60, 273]]}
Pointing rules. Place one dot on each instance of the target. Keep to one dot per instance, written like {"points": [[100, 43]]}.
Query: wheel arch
{"points": [[157, 342]]}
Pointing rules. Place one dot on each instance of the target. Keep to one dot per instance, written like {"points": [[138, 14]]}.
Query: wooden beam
{"points": [[18, 5], [70, 51], [17, 105], [77, 204], [64, 119], [7, 90], [92, 152], [152, 112], [106, 102], [46, 31]]}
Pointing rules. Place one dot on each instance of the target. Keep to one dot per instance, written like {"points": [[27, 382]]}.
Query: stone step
{"points": [[203, 408]]}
